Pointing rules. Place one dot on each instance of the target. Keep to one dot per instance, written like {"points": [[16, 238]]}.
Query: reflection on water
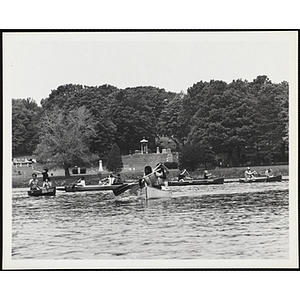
{"points": [[230, 221]]}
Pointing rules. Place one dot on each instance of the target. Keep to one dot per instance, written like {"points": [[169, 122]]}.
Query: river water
{"points": [[229, 221]]}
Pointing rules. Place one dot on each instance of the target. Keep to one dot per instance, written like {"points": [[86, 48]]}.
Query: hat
{"points": [[248, 168]]}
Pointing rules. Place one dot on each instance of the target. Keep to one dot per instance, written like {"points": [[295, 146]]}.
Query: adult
{"points": [[79, 182], [34, 183], [184, 175], [249, 174], [45, 174], [149, 177], [118, 179], [206, 174], [268, 172], [111, 179]]}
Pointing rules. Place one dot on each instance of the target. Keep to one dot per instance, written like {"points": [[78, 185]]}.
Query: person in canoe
{"points": [[161, 174], [80, 182], [44, 173], [184, 175], [34, 183], [249, 174], [155, 178], [47, 183], [104, 181], [268, 172], [118, 179], [206, 174]]}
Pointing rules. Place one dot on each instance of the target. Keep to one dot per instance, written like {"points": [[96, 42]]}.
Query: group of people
{"points": [[112, 179], [155, 178], [185, 176], [34, 183], [253, 174]]}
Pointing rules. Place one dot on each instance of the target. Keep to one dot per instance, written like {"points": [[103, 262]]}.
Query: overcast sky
{"points": [[36, 63]]}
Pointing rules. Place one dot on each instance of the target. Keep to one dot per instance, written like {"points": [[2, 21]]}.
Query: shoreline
{"points": [[226, 180]]}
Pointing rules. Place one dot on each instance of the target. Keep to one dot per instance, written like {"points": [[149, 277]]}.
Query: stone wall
{"points": [[137, 161]]}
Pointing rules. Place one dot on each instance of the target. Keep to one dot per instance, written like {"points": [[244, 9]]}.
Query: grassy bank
{"points": [[22, 175]]}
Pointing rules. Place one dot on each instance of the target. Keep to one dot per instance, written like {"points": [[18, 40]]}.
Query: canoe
{"points": [[197, 182], [262, 179], [155, 193], [43, 192], [88, 188]]}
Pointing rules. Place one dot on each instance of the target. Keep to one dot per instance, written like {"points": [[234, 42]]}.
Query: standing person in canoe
{"points": [[44, 173], [34, 183]]}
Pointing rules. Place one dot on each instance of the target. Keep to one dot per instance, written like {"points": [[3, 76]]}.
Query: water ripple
{"points": [[210, 222]]}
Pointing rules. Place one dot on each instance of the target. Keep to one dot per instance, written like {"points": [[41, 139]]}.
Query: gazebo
{"points": [[144, 146]]}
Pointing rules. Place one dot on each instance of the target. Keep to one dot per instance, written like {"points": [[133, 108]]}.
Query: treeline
{"points": [[212, 121]]}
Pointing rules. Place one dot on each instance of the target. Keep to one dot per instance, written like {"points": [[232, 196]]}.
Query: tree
{"points": [[65, 138], [172, 122], [133, 119], [97, 100], [192, 156], [25, 115], [114, 162]]}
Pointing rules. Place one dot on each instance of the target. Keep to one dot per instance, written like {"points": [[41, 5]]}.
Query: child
{"points": [[47, 183]]}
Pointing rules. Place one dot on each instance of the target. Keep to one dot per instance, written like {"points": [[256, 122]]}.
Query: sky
{"points": [[35, 63]]}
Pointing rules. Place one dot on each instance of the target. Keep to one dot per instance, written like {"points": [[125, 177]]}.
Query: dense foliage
{"points": [[246, 121], [65, 138], [214, 121], [25, 116], [114, 160]]}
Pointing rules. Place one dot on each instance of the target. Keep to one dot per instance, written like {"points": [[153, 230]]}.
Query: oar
{"points": [[121, 189]]}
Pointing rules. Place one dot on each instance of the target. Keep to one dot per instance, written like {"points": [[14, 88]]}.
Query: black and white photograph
{"points": [[150, 149]]}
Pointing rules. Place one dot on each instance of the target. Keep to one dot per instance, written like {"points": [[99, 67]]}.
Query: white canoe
{"points": [[155, 193]]}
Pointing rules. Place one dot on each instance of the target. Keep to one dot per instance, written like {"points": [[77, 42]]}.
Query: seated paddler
{"points": [[184, 175]]}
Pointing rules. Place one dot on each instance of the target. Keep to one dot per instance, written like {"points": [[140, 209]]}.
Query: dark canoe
{"points": [[198, 182], [43, 192], [89, 188], [262, 179]]}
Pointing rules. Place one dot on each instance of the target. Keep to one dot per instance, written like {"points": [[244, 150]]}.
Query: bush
{"points": [[171, 164]]}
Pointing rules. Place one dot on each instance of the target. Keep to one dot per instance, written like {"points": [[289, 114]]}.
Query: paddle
{"points": [[121, 189]]}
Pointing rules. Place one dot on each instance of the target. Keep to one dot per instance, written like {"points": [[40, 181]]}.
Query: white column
{"points": [[100, 166]]}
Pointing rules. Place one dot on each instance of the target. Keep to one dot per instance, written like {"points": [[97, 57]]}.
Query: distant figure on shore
{"points": [[34, 183], [206, 174]]}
